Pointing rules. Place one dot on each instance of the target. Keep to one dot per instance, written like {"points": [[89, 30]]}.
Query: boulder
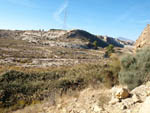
{"points": [[122, 93]]}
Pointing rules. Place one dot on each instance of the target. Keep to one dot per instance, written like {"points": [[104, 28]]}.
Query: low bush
{"points": [[135, 70], [109, 51], [22, 88]]}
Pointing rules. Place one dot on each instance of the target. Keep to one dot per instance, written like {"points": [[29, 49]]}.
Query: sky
{"points": [[115, 18]]}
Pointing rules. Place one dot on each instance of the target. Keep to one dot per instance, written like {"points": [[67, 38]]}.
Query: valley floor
{"points": [[30, 72]]}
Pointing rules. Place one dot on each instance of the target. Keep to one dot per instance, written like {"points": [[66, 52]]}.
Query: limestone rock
{"points": [[96, 109], [136, 98], [114, 101], [142, 91], [146, 106]]}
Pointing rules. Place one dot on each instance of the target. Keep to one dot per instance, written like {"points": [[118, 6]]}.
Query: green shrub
{"points": [[115, 67], [109, 50], [95, 44], [135, 70]]}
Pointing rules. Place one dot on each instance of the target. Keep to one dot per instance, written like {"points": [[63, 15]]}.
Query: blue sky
{"points": [[116, 18]]}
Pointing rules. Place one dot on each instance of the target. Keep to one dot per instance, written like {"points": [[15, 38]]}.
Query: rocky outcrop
{"points": [[136, 102], [144, 38], [112, 41], [43, 35]]}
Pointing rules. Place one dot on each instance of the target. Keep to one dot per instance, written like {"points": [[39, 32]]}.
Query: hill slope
{"points": [[144, 38]]}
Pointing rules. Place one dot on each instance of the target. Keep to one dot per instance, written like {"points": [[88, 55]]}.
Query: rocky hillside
{"points": [[144, 38], [62, 38], [112, 41]]}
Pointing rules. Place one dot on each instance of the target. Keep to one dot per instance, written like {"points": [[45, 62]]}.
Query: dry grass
{"points": [[63, 79], [23, 49]]}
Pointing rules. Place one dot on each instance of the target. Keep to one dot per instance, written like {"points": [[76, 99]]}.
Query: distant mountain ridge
{"points": [[125, 41]]}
